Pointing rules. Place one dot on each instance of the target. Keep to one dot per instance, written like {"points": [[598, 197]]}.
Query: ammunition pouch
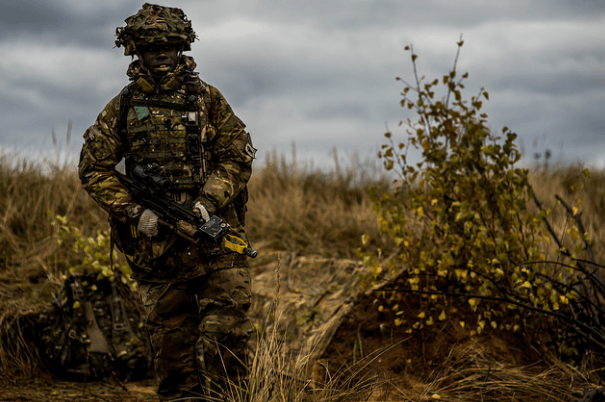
{"points": [[124, 236]]}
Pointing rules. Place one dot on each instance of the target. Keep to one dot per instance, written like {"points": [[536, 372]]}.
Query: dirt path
{"points": [[46, 390]]}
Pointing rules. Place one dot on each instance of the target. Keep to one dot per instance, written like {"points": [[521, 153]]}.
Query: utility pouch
{"points": [[125, 236]]}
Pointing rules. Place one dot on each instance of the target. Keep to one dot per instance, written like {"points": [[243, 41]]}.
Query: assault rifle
{"points": [[149, 190]]}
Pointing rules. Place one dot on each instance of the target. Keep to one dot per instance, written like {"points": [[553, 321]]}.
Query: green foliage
{"points": [[91, 254], [460, 217]]}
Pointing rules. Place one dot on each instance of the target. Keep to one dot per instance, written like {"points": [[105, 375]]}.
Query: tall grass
{"points": [[293, 208], [311, 211], [548, 182]]}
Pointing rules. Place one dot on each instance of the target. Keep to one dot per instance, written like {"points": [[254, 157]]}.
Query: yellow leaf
{"points": [[442, 316], [420, 212], [365, 239]]}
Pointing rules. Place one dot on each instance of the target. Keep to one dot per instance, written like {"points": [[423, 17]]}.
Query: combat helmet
{"points": [[155, 24]]}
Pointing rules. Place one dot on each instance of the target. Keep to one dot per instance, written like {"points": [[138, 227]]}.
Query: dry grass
{"points": [[471, 375], [292, 207], [312, 212], [279, 373], [556, 181]]}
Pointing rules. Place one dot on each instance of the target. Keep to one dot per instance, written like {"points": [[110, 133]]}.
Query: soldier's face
{"points": [[160, 60]]}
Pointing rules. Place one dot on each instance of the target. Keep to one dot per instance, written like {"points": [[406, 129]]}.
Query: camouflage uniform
{"points": [[196, 297]]}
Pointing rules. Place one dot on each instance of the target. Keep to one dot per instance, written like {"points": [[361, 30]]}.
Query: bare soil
{"points": [[47, 389]]}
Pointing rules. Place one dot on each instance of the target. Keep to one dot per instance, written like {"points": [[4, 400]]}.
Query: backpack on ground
{"points": [[94, 330]]}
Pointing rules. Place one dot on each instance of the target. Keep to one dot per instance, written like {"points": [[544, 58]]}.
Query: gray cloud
{"points": [[316, 72]]}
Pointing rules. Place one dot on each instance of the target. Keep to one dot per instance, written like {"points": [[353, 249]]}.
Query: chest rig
{"points": [[167, 131]]}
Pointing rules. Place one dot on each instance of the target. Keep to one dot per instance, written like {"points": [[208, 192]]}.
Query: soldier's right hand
{"points": [[148, 223]]}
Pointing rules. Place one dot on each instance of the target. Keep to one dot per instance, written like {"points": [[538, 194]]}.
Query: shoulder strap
{"points": [[124, 104], [196, 130], [206, 95]]}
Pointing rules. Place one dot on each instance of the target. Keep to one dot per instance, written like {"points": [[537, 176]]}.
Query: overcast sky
{"points": [[319, 73]]}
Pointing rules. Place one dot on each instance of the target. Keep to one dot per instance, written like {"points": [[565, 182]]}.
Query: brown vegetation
{"points": [[295, 211]]}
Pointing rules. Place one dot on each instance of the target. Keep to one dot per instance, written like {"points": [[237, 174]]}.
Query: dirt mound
{"points": [[304, 299], [341, 340]]}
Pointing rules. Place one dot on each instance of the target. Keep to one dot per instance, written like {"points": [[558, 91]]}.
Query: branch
{"points": [[589, 332], [449, 90], [565, 252], [580, 224]]}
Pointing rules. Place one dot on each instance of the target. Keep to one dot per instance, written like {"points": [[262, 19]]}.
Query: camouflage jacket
{"points": [[229, 151]]}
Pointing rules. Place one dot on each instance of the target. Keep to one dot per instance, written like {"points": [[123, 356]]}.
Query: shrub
{"points": [[460, 219]]}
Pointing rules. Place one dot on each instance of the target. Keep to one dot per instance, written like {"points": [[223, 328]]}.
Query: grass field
{"points": [[294, 210]]}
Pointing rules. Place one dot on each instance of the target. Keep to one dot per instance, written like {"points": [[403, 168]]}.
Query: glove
{"points": [[199, 208], [148, 223]]}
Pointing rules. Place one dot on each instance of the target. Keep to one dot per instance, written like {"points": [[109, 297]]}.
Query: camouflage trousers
{"points": [[199, 331]]}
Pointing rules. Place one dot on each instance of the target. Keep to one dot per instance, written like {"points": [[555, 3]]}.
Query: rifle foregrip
{"points": [[187, 229]]}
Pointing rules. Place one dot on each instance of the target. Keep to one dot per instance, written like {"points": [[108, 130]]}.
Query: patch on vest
{"points": [[142, 112]]}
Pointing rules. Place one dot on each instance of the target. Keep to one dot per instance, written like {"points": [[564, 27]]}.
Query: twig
{"points": [[580, 224], [591, 331]]}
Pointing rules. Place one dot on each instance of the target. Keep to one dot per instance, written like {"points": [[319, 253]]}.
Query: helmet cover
{"points": [[155, 25]]}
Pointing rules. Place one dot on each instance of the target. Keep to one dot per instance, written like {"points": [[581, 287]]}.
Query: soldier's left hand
{"points": [[200, 209]]}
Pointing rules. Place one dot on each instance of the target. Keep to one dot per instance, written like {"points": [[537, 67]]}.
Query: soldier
{"points": [[196, 297]]}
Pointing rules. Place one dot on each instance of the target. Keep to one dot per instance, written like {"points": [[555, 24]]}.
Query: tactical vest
{"points": [[168, 131]]}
